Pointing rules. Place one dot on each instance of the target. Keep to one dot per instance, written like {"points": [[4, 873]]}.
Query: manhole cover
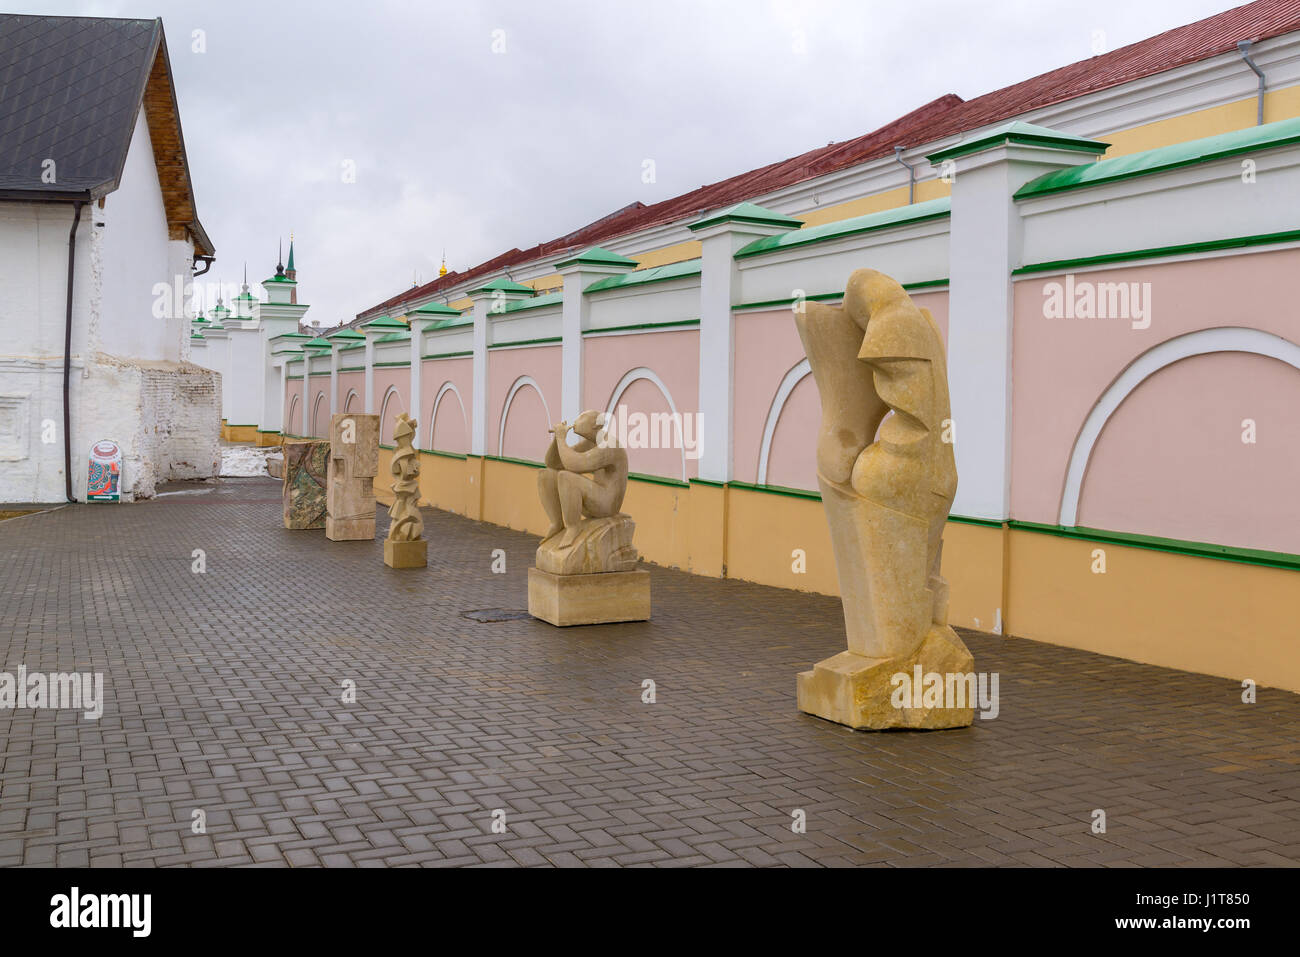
{"points": [[495, 614]]}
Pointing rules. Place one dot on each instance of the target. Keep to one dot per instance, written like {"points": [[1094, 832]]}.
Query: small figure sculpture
{"points": [[567, 493], [586, 563], [886, 498], [405, 547]]}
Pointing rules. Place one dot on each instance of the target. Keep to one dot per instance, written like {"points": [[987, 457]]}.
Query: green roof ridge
{"points": [[384, 322], [596, 256], [745, 213], [1018, 131], [503, 284], [434, 309]]}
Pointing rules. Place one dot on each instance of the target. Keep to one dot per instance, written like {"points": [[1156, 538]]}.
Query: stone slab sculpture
{"points": [[585, 572], [888, 476], [304, 470], [405, 546], [350, 483]]}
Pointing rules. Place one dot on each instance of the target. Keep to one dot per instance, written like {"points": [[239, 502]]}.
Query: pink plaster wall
{"points": [[397, 379], [349, 381], [1171, 461], [767, 348], [451, 430], [293, 421], [1062, 366], [319, 417], [792, 460], [526, 426], [674, 358]]}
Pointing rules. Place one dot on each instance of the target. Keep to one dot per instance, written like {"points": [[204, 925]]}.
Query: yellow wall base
{"points": [[1216, 617]]}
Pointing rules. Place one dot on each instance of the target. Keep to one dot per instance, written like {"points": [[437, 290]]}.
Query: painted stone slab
{"points": [[104, 480], [305, 465]]}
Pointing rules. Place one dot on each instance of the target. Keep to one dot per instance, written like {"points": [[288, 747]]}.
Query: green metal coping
{"points": [[292, 377], [446, 455], [596, 256], [269, 431], [1025, 134], [448, 323], [358, 345], [831, 296], [346, 334], [745, 213], [537, 302], [777, 490], [384, 322], [280, 279], [1231, 553], [885, 219], [504, 285], [527, 342], [318, 343], [449, 355], [1165, 158], [1249, 556], [680, 270], [1211, 245], [387, 448], [406, 363], [291, 335], [679, 323], [510, 461], [394, 337], [353, 369]]}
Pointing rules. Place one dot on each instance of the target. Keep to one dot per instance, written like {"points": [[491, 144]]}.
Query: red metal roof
{"points": [[946, 116]]}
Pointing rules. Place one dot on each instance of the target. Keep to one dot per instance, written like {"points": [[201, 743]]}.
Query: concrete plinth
{"points": [[862, 692], [406, 554], [349, 529], [589, 599]]}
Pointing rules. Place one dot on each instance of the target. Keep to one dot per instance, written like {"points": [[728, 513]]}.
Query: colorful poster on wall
{"points": [[103, 484]]}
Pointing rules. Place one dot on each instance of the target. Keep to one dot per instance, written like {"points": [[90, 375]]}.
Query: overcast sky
{"points": [[476, 127]]}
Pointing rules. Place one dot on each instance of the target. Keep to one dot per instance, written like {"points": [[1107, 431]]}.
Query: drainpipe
{"points": [[67, 356], [1243, 47], [911, 174]]}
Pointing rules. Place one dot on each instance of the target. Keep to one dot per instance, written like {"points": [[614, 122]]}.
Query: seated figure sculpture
{"points": [[582, 489], [887, 483]]}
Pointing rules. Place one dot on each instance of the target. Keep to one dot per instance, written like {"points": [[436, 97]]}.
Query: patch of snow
{"points": [[244, 461]]}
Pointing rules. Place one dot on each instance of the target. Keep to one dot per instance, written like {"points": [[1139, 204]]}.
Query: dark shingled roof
{"points": [[70, 91]]}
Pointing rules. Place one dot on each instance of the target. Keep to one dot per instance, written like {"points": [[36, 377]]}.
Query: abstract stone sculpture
{"points": [[350, 484], [586, 563], [305, 462], [405, 546], [886, 499]]}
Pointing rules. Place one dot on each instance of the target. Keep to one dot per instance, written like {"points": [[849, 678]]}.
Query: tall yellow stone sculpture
{"points": [[405, 546], [586, 570], [350, 478], [886, 498]]}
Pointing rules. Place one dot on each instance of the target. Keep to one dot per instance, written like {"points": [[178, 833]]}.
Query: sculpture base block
{"points": [[599, 599], [406, 554], [349, 529], [858, 691]]}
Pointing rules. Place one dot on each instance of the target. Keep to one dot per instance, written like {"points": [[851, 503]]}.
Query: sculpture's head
{"points": [[588, 424], [404, 426], [868, 290]]}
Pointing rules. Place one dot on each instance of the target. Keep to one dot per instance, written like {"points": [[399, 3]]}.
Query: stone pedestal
{"points": [[589, 599], [406, 554], [304, 483], [862, 692]]}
